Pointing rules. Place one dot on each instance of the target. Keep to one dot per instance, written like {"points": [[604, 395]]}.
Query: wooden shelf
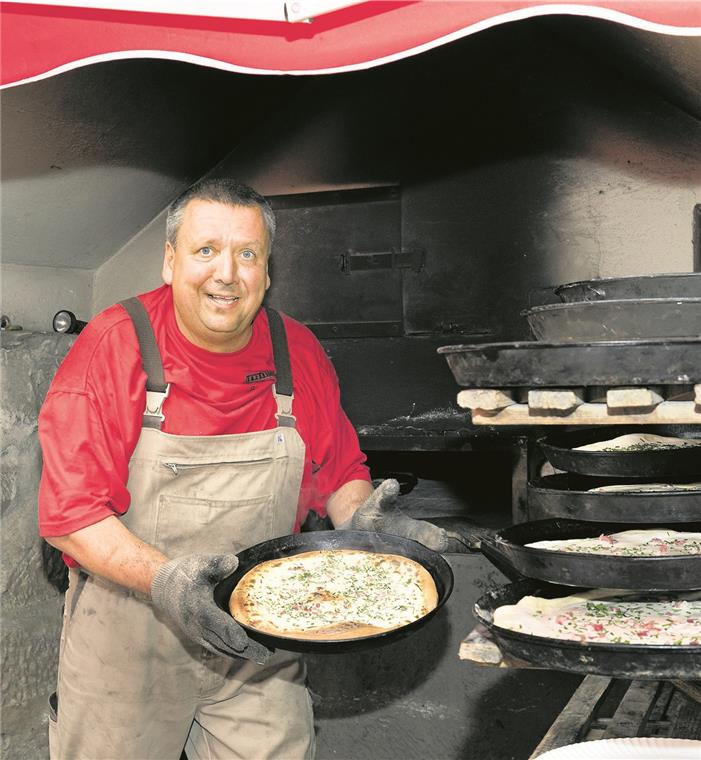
{"points": [[569, 406]]}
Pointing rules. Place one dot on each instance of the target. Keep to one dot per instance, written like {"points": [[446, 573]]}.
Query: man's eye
{"points": [[248, 255], [205, 251]]}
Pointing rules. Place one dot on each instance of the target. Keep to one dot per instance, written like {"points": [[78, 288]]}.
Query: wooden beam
{"points": [[574, 720], [691, 691], [633, 398], [480, 647], [633, 710], [489, 399], [555, 400], [668, 412]]}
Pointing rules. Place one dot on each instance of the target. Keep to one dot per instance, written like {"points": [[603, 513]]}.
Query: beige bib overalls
{"points": [[131, 686]]}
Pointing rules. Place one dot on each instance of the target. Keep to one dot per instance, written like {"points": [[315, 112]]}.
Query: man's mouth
{"points": [[223, 300]]}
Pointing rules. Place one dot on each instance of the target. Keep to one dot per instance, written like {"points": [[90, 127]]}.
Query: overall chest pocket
{"points": [[186, 525]]}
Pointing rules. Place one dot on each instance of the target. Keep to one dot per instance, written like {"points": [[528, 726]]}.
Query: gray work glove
{"points": [[183, 590], [380, 512]]}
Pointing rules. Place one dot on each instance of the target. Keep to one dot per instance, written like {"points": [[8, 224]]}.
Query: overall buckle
{"points": [[154, 403]]}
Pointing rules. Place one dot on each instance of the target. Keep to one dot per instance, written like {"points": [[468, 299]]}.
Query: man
{"points": [[182, 427]]}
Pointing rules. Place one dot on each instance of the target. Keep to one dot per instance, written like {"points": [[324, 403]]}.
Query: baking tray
{"points": [[531, 364], [678, 285], [652, 662], [591, 570], [287, 546], [632, 319], [569, 495], [560, 449]]}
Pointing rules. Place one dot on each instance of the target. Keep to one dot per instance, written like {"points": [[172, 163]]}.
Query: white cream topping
{"points": [[636, 487], [649, 542], [335, 587], [603, 615]]}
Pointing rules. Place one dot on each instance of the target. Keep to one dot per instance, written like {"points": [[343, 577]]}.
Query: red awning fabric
{"points": [[42, 40]]}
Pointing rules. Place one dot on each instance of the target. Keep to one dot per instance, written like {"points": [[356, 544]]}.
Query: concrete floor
{"points": [[415, 698]]}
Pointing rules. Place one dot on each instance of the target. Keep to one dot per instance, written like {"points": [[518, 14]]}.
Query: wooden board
{"points": [[668, 412], [573, 721], [633, 710]]}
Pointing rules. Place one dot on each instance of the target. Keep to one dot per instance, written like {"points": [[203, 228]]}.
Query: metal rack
{"points": [[525, 386]]}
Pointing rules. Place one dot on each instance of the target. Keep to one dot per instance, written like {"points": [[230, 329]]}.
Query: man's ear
{"points": [[168, 259]]}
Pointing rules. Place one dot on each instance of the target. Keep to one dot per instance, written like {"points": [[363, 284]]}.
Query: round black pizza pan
{"points": [[382, 543], [633, 661], [569, 495], [677, 285], [534, 364], [626, 319], [561, 451], [591, 570]]}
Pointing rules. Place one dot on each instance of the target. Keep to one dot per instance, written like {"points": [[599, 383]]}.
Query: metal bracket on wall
{"points": [[328, 330], [361, 261]]}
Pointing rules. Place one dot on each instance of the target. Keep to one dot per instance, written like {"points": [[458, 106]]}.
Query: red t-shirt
{"points": [[91, 419]]}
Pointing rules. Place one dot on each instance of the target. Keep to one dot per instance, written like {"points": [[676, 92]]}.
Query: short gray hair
{"points": [[226, 191]]}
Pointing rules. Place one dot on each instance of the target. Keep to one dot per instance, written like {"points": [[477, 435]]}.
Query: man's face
{"points": [[218, 271]]}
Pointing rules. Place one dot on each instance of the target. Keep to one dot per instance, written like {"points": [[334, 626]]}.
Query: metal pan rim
{"points": [[537, 345], [632, 494], [350, 539], [602, 304], [619, 454], [603, 281], [612, 558]]}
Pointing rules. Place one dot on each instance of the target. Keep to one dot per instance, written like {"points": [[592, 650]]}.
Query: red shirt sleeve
{"points": [[89, 425]]}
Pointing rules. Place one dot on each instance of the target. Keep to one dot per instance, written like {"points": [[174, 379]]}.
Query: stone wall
{"points": [[30, 577]]}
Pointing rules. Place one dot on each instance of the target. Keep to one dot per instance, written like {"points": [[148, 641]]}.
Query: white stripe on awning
{"points": [[257, 10]]}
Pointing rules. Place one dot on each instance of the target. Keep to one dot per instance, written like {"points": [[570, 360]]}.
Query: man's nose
{"points": [[225, 271]]}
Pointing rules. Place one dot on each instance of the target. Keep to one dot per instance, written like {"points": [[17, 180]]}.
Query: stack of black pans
{"points": [[547, 573], [576, 491], [625, 308], [633, 331]]}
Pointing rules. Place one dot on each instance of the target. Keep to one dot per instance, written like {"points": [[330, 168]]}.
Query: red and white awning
{"points": [[279, 36]]}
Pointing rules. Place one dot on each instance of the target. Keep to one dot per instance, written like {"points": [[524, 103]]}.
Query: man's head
{"points": [[226, 191], [219, 235]]}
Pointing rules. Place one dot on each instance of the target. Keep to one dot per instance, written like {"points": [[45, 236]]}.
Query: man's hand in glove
{"points": [[183, 590], [380, 512]]}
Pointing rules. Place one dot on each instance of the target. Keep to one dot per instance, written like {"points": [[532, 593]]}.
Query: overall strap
{"points": [[282, 388], [156, 386]]}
